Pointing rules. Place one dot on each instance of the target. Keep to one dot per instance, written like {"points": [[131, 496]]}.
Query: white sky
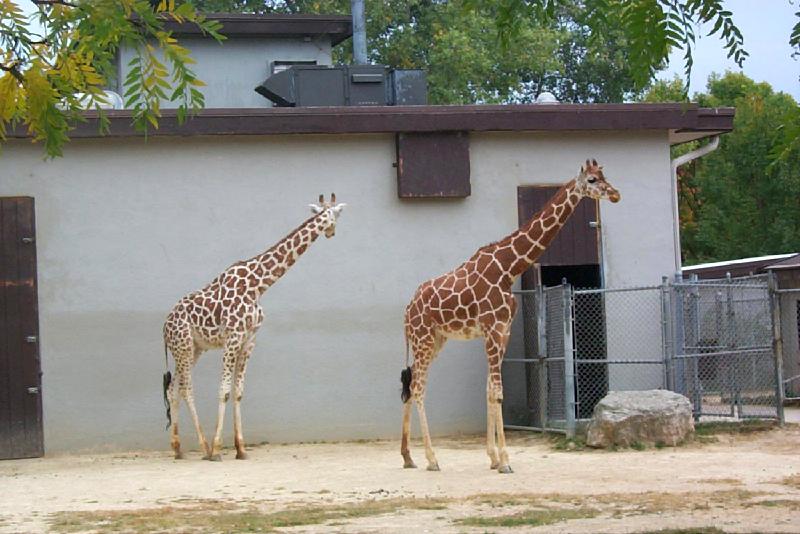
{"points": [[766, 26]]}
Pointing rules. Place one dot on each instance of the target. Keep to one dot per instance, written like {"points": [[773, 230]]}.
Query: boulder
{"points": [[653, 417]]}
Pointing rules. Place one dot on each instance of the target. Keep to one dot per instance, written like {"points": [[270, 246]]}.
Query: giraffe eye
{"points": [[592, 179]]}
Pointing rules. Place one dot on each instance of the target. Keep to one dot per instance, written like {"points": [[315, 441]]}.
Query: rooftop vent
{"points": [[345, 85]]}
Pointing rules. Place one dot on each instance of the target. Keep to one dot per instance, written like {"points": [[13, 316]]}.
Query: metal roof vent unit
{"points": [[344, 85]]}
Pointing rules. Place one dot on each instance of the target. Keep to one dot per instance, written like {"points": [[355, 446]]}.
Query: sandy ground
{"points": [[716, 484]]}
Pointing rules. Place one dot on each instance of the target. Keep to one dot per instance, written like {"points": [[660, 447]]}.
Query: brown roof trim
{"points": [[392, 119], [339, 27]]}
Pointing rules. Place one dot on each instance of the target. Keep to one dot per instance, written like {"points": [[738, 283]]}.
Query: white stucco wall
{"points": [[233, 68], [126, 227]]}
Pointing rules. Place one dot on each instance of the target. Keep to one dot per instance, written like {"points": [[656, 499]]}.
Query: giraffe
{"points": [[226, 315], [475, 300]]}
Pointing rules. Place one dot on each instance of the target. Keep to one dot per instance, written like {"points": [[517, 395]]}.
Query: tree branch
{"points": [[53, 3], [12, 69]]}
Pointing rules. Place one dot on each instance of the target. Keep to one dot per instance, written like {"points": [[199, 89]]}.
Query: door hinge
{"points": [[594, 224], [31, 339], [27, 240], [33, 391]]}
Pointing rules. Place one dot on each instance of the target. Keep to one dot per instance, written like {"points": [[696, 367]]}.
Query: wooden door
{"points": [[577, 242], [20, 366]]}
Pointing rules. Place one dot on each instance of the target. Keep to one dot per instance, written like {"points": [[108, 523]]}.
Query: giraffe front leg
{"points": [[491, 443], [496, 342], [233, 346], [238, 391]]}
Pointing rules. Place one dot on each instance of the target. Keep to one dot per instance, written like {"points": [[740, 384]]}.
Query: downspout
{"points": [[675, 163]]}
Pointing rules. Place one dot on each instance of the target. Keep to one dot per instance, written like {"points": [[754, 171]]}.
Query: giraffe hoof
{"points": [[433, 466], [213, 458], [179, 456], [241, 455], [505, 469], [494, 465], [409, 465]]}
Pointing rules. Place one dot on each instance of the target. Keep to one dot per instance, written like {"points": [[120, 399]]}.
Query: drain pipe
{"points": [[676, 225], [359, 32]]}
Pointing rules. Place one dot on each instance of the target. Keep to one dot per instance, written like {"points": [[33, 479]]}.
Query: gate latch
{"points": [[31, 339], [33, 391], [27, 240], [594, 224]]}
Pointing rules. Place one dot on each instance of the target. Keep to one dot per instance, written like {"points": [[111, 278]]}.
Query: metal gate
{"points": [[716, 342], [20, 370]]}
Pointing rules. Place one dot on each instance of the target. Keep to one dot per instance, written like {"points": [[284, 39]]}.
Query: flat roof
{"points": [[738, 267], [234, 25], [684, 122], [755, 259]]}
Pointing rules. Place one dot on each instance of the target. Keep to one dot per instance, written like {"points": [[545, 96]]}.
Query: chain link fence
{"points": [[714, 341]]}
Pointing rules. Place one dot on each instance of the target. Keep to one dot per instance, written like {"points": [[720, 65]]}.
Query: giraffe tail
{"points": [[167, 381], [405, 378]]}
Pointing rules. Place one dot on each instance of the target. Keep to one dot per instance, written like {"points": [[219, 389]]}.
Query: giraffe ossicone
{"points": [[475, 300], [226, 315]]}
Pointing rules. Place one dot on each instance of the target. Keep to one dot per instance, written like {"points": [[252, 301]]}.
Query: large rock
{"points": [[625, 418]]}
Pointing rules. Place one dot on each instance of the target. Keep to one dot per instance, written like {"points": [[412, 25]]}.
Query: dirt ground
{"points": [[724, 483]]}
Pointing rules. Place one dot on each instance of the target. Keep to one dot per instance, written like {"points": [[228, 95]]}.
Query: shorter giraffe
{"points": [[475, 300], [226, 314]]}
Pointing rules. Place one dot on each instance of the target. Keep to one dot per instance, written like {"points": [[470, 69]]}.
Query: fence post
{"points": [[541, 341], [569, 362], [679, 374], [666, 334], [777, 343], [693, 340]]}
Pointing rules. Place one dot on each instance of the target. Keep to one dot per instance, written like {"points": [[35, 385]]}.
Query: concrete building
{"points": [[125, 226]]}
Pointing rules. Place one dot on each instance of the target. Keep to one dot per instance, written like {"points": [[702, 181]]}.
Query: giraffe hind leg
{"points": [[424, 353]]}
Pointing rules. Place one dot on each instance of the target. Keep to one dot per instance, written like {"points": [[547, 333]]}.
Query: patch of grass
{"points": [[561, 442], [724, 427], [528, 518], [207, 518], [638, 445], [793, 481], [691, 530], [730, 481]]}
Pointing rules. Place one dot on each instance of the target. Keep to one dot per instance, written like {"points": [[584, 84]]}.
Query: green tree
{"points": [[750, 203], [56, 63], [460, 48], [739, 201]]}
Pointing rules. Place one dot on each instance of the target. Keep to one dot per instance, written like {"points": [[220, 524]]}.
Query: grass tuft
{"points": [[528, 518]]}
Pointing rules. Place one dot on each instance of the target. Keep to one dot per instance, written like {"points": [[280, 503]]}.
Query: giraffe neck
{"points": [[269, 266], [519, 250]]}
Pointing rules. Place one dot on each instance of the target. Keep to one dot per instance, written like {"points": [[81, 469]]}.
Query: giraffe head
{"points": [[591, 183], [328, 213]]}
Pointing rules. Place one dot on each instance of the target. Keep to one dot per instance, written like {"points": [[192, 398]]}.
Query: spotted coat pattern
{"points": [[475, 300], [226, 315]]}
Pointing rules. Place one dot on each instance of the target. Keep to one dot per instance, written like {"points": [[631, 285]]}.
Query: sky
{"points": [[765, 26]]}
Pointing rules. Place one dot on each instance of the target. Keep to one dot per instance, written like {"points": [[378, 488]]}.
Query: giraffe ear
{"points": [[315, 208], [339, 207]]}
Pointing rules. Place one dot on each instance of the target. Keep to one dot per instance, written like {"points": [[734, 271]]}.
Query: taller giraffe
{"points": [[226, 314], [475, 300]]}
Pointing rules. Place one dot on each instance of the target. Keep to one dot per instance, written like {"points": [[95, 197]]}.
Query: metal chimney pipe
{"points": [[359, 32]]}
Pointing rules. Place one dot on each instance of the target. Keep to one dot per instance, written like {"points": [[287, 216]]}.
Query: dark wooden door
{"points": [[20, 366], [576, 244]]}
